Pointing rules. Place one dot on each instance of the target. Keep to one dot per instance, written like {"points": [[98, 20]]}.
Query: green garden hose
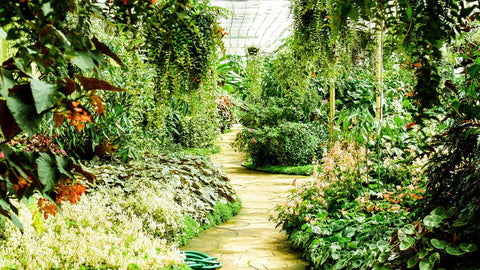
{"points": [[198, 260]]}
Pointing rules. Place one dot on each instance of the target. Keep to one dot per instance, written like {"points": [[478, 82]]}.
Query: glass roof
{"points": [[260, 23]]}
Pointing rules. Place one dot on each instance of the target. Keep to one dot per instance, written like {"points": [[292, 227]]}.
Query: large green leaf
{"points": [[409, 229], [43, 94], [22, 107], [46, 171], [83, 61]]}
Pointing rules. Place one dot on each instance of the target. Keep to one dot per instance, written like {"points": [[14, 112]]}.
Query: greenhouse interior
{"points": [[239, 134]]}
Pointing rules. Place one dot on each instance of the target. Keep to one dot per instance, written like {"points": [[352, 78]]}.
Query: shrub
{"points": [[282, 132], [288, 143]]}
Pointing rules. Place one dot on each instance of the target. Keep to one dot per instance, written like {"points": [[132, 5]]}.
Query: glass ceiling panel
{"points": [[260, 23]]}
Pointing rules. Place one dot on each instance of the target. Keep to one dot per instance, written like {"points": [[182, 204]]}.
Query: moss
{"points": [[220, 214]]}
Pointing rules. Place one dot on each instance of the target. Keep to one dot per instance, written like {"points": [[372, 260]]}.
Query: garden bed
{"points": [[135, 216]]}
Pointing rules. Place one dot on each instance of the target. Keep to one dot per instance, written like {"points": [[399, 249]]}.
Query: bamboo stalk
{"points": [[379, 71], [332, 107]]}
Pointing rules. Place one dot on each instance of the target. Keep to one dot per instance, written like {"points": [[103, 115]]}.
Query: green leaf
{"points": [[62, 165], [409, 12], [83, 61], [4, 205], [432, 221], [43, 94], [16, 222], [468, 247], [409, 229], [47, 8], [438, 244], [455, 251], [451, 211], [38, 222], [46, 171], [406, 243], [460, 222], [383, 257], [23, 110], [439, 211], [412, 261], [5, 83], [434, 257], [422, 253], [425, 264]]}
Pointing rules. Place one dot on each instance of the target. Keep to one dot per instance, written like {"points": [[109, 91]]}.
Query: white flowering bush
{"points": [[133, 218], [101, 231]]}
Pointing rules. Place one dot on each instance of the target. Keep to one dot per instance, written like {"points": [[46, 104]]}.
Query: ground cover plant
{"points": [[136, 216]]}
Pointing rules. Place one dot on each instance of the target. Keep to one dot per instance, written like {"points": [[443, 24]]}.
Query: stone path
{"points": [[249, 240]]}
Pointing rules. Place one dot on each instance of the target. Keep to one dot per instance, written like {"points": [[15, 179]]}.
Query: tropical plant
{"points": [[50, 71]]}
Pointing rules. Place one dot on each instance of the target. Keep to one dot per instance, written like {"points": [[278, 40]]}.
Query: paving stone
{"points": [[249, 240]]}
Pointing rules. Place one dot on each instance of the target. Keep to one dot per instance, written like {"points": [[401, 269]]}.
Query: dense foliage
{"points": [[389, 212]]}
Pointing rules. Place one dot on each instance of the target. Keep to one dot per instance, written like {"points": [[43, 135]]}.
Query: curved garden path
{"points": [[249, 240]]}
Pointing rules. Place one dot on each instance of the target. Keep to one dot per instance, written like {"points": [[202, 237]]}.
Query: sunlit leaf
{"points": [[38, 222], [16, 222], [43, 94], [425, 264], [407, 243], [83, 61]]}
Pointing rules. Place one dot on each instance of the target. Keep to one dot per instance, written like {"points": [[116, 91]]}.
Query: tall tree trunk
{"points": [[379, 71]]}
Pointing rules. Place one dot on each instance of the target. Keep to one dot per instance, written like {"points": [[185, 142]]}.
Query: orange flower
{"points": [[47, 207]]}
